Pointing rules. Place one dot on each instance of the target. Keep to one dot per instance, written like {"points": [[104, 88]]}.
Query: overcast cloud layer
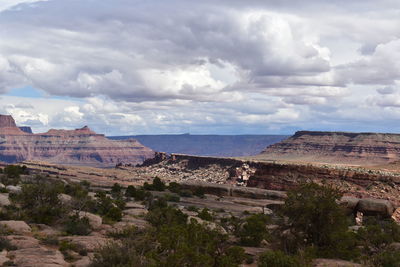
{"points": [[137, 67]]}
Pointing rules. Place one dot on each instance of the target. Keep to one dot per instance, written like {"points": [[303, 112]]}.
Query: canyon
{"points": [[76, 147], [207, 145]]}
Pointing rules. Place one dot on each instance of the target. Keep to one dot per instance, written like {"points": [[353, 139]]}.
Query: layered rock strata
{"points": [[77, 147], [336, 147]]}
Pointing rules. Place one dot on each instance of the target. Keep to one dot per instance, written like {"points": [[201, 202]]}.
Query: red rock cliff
{"points": [[78, 147]]}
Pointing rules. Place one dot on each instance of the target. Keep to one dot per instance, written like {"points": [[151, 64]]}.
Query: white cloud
{"points": [[206, 66], [7, 4]]}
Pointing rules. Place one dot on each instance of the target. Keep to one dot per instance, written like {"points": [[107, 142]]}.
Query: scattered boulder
{"points": [[38, 257], [17, 226], [4, 200], [95, 221], [65, 199], [2, 186], [350, 203], [375, 207], [14, 188]]}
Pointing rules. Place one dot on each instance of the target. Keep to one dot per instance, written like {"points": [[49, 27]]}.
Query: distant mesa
{"points": [[76, 147], [336, 147]]}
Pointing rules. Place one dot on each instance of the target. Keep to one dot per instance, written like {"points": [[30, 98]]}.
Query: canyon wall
{"points": [[79, 147], [336, 147]]}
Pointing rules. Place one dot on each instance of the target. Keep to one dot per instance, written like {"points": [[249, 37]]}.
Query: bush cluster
{"points": [[170, 241]]}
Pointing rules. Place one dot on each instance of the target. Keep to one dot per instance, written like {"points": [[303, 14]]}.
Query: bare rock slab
{"points": [[22, 242], [19, 227], [38, 257], [334, 263], [4, 200]]}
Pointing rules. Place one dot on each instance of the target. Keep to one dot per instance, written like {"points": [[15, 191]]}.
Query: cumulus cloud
{"points": [[206, 66]]}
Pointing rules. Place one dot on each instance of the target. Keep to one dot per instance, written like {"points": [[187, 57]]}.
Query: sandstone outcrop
{"points": [[75, 147], [368, 206], [16, 226], [38, 257], [336, 147]]}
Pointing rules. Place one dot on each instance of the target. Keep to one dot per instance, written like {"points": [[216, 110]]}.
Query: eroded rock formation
{"points": [[79, 147], [337, 147]]}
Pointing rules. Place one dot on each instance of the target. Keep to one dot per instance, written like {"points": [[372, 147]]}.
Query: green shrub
{"points": [[66, 247], [75, 190], [137, 194], [193, 208], [185, 193], [171, 242], [254, 230], [147, 186], [12, 174], [116, 190], [103, 203], [123, 233], [158, 185], [174, 187], [316, 219], [387, 258], [205, 214], [277, 259], [119, 254], [130, 191], [161, 214], [85, 184], [40, 202], [77, 226], [5, 244], [233, 256], [114, 214], [172, 198], [199, 192], [376, 234]]}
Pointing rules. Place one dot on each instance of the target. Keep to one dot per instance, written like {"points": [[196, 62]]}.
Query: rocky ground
{"points": [[43, 245]]}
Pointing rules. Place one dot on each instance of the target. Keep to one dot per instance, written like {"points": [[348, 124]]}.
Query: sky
{"points": [[127, 67]]}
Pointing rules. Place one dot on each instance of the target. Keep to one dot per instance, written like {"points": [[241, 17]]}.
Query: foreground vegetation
{"points": [[311, 224]]}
